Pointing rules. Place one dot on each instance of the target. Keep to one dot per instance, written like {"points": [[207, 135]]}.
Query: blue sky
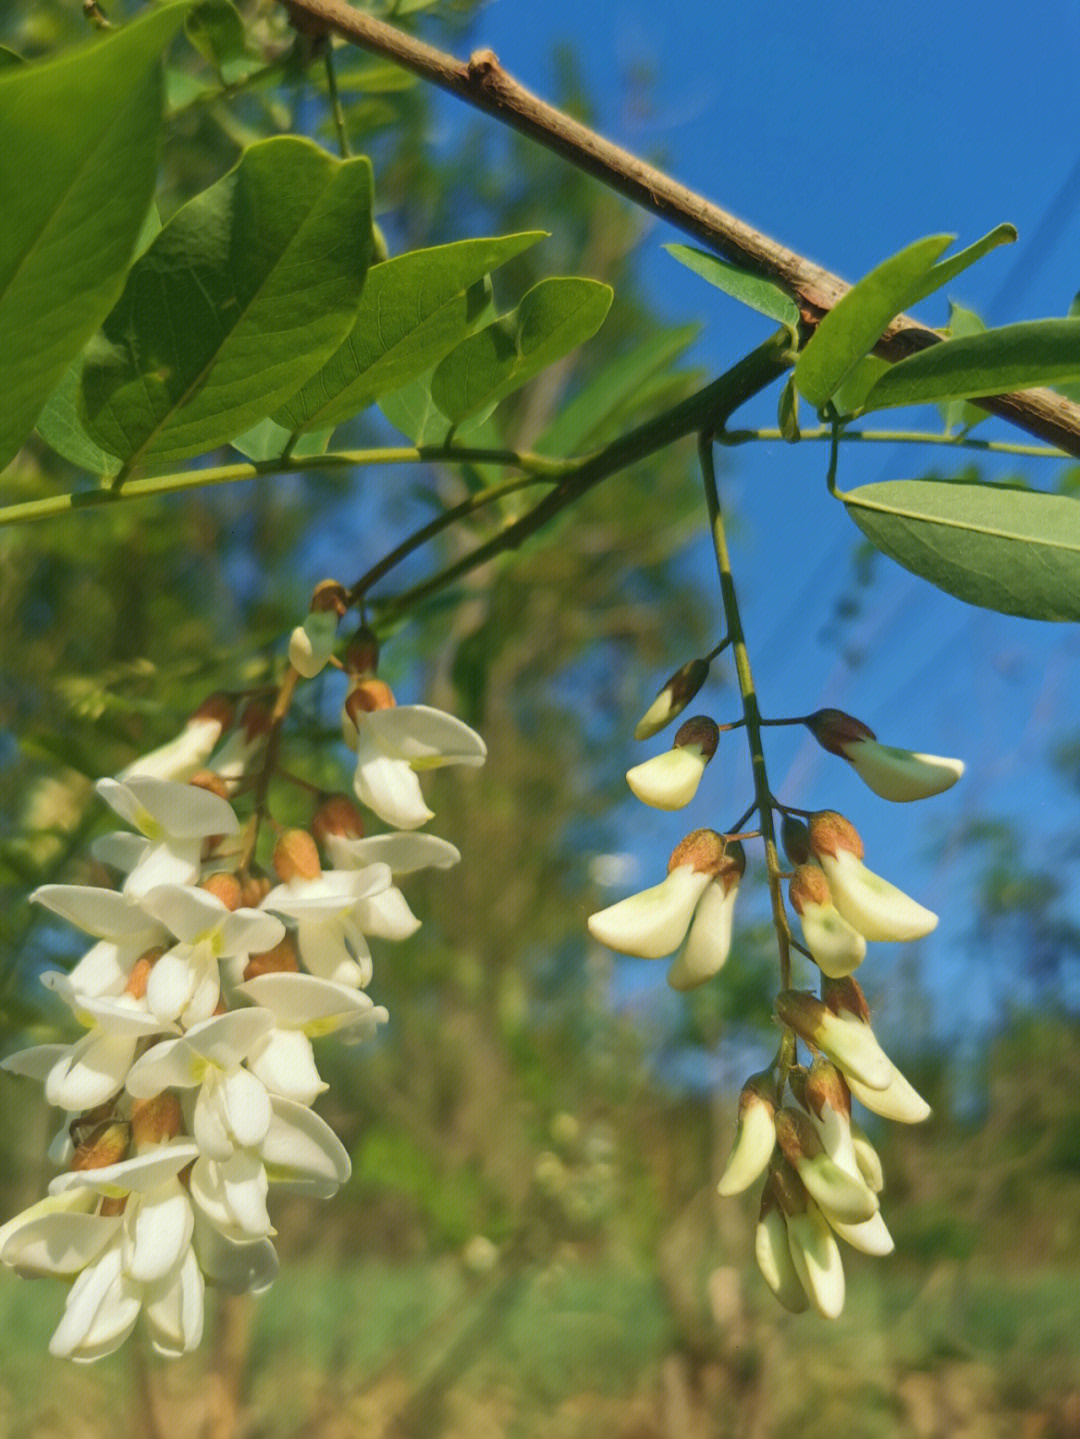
{"points": [[847, 131]]}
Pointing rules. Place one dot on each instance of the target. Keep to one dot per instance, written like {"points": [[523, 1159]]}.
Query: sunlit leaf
{"points": [[960, 414], [415, 308], [77, 175], [850, 395], [554, 318], [946, 270], [855, 324], [759, 294], [1011, 357], [1017, 551], [244, 294], [267, 440], [412, 410]]}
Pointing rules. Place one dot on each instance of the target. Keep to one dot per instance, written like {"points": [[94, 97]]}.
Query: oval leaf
{"points": [[760, 295], [554, 317], [77, 174], [1017, 551], [245, 293], [414, 310], [855, 323], [946, 270], [1011, 357]]}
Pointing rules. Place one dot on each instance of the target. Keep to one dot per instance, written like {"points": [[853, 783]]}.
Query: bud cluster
{"points": [[794, 1124], [191, 1090]]}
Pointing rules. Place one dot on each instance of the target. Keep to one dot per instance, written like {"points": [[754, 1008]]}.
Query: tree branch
{"points": [[482, 82]]}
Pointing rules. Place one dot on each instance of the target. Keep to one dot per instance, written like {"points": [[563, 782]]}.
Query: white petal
{"points": [[389, 787], [755, 1140], [300, 1001], [210, 1122], [897, 1099], [100, 1313], [120, 851], [900, 775], [870, 1237], [232, 1196], [250, 931], [870, 904], [95, 1070], [838, 1194], [239, 1268], [709, 942], [312, 643], [174, 862], [173, 980], [285, 1064], [181, 757], [774, 1260], [227, 1038], [404, 853], [37, 1062], [183, 811], [668, 781], [426, 737], [101, 912], [171, 1064], [867, 1158], [334, 894], [852, 1046], [105, 967], [57, 1235], [174, 1309], [156, 1233], [838, 949], [324, 951], [652, 923], [303, 1153], [816, 1257], [247, 1105], [387, 915]]}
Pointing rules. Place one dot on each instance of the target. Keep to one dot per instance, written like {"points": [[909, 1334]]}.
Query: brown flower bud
{"points": [[808, 886], [113, 1206], [362, 656], [296, 856], [329, 596], [833, 729], [704, 849], [254, 887], [140, 972], [673, 698], [282, 959], [105, 1146], [831, 832], [255, 721], [701, 731], [206, 779], [796, 1136], [337, 815], [218, 706], [155, 1120], [795, 838], [224, 886], [369, 695], [825, 1086], [845, 994]]}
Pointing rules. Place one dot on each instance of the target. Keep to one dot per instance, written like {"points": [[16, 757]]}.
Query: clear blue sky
{"points": [[846, 131]]}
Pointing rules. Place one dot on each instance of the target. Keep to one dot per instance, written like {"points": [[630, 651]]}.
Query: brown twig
{"points": [[482, 82]]}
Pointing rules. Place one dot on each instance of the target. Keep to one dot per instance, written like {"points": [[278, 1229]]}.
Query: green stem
{"points": [[751, 710], [335, 101], [900, 437], [538, 466]]}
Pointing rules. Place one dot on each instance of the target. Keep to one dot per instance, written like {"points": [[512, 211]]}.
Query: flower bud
{"points": [[207, 779], [815, 1254], [282, 959], [254, 887], [795, 838], [836, 1192], [140, 972], [774, 1255], [897, 1100], [296, 856], [654, 922], [676, 694], [153, 1121], [846, 1038], [188, 752], [362, 656], [337, 815], [708, 943], [670, 781], [755, 1136], [894, 774], [224, 886], [867, 1158], [312, 643], [836, 947], [108, 1145], [366, 697], [872, 906]]}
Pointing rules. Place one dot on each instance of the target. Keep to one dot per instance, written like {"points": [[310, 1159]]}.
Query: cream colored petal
{"points": [[837, 1193], [755, 1140], [773, 1255], [816, 1257], [652, 923], [900, 775], [708, 943], [838, 949], [869, 1237], [870, 904], [896, 1099], [670, 780]]}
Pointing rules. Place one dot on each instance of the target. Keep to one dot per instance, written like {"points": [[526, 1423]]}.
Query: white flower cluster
{"points": [[190, 1091], [823, 1175]]}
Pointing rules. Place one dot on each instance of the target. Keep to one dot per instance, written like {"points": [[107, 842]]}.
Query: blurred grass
{"points": [[373, 1348]]}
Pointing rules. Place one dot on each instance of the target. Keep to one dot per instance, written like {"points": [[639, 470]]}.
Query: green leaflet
{"points": [[1017, 551], [553, 318], [216, 30], [85, 128], [855, 324], [1011, 357], [759, 294], [415, 308], [245, 293]]}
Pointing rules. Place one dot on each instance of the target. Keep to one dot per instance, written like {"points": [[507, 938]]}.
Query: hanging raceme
{"points": [[795, 1125], [189, 1096]]}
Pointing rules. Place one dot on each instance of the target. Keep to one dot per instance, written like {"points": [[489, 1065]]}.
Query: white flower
{"points": [[654, 922], [836, 947], [403, 852], [304, 1008], [816, 1259], [877, 909], [185, 755], [329, 914], [845, 1036], [894, 774], [670, 781], [124, 931], [395, 742], [708, 943], [839, 1193], [185, 982], [174, 820], [312, 643], [755, 1137]]}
